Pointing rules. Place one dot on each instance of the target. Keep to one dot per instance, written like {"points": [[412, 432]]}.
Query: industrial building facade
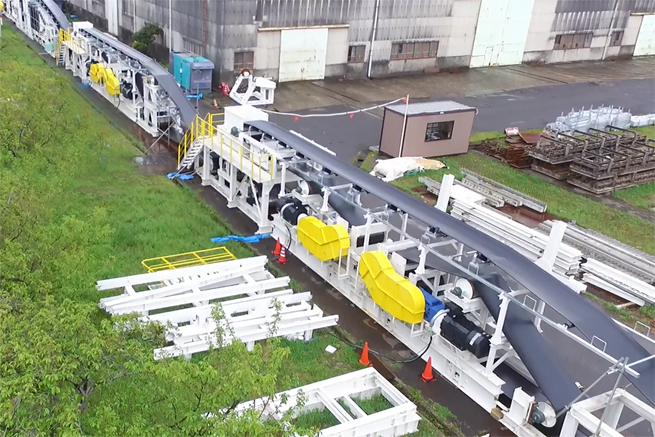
{"points": [[289, 40]]}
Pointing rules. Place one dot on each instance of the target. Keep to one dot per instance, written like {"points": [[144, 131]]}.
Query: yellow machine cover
{"points": [[394, 293], [97, 72], [325, 242], [112, 83]]}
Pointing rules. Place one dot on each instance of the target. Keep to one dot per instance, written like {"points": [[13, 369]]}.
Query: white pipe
{"points": [[609, 32], [375, 29], [170, 25]]}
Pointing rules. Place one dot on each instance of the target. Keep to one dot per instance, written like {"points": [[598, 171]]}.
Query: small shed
{"points": [[432, 129]]}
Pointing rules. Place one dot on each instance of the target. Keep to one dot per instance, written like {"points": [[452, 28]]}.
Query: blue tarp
{"points": [[251, 239], [182, 177]]}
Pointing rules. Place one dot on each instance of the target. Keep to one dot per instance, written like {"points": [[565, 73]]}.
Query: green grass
{"points": [[649, 131], [642, 196]]}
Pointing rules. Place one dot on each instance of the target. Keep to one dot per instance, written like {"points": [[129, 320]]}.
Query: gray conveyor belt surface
{"points": [[164, 78], [588, 318]]}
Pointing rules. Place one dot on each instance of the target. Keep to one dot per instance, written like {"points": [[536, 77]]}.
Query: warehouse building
{"points": [[291, 40]]}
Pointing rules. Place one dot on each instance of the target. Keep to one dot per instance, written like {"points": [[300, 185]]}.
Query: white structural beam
{"points": [[260, 332], [400, 419], [205, 295], [167, 275], [184, 282], [582, 414]]}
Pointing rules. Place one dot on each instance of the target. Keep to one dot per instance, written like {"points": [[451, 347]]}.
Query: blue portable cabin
{"points": [[192, 72]]}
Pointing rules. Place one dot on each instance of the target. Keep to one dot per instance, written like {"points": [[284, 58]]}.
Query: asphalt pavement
{"points": [[526, 108]]}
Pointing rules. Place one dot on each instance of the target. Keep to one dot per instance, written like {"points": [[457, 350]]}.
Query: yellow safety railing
{"points": [[188, 259], [228, 148]]}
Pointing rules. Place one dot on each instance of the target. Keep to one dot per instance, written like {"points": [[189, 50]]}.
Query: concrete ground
{"points": [[296, 96]]}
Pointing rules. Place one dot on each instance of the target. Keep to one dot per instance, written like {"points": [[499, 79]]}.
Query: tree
{"points": [[144, 38]]}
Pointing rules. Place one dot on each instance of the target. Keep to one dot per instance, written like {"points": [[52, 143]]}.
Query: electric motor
{"points": [[464, 334]]}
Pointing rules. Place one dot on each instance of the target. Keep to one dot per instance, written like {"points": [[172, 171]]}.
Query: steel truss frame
{"points": [[251, 307], [401, 419], [461, 368]]}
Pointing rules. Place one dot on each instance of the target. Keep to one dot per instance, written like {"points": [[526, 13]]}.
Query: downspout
{"points": [[375, 29], [609, 32]]}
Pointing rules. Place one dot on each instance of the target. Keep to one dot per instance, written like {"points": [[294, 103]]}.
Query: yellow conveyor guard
{"points": [[112, 83], [394, 293], [325, 242], [97, 72]]}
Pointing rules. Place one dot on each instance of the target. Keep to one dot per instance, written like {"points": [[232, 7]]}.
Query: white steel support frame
{"points": [[401, 419]]}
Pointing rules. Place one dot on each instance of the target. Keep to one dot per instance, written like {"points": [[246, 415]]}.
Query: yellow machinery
{"points": [[112, 83], [392, 292], [188, 259], [97, 73], [325, 242]]}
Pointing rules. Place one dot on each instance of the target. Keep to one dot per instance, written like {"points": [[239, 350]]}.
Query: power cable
{"points": [[334, 114], [410, 360]]}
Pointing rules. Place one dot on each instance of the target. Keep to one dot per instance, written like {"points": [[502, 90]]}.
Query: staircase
{"points": [[64, 35], [191, 154], [192, 143]]}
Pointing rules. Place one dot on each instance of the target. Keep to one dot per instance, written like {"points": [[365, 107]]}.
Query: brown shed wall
{"points": [[415, 144], [392, 128]]}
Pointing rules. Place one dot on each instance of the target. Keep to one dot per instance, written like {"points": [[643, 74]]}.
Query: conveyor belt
{"points": [[164, 78], [588, 318], [530, 346], [56, 12]]}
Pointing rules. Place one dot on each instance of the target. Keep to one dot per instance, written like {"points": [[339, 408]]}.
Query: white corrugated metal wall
{"points": [[501, 32], [302, 54], [646, 38]]}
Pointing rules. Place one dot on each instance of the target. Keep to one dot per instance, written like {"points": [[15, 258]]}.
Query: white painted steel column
{"points": [[496, 339], [609, 32], [444, 192]]}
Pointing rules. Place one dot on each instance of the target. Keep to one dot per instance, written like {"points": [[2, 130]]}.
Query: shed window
{"points": [[356, 53], [573, 41], [414, 50], [440, 130], [244, 60], [616, 38]]}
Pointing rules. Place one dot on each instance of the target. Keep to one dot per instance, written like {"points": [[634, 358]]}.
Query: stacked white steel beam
{"points": [[253, 310], [529, 242]]}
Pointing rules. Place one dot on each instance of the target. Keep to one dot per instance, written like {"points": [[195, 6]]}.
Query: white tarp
{"points": [[392, 169]]}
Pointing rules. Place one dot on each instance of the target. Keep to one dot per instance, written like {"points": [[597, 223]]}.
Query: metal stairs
{"points": [[191, 154]]}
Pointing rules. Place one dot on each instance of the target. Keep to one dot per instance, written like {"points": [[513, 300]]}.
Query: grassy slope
{"points": [[150, 216]]}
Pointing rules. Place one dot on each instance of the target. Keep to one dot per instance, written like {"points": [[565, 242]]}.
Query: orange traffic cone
{"points": [[363, 360], [215, 104], [283, 255], [278, 246], [427, 376]]}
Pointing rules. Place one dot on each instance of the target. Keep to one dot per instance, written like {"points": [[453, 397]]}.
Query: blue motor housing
{"points": [[432, 306]]}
